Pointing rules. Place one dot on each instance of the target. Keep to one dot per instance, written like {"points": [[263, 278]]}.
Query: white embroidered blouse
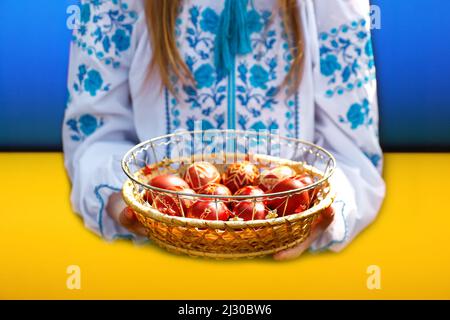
{"points": [[113, 106]]}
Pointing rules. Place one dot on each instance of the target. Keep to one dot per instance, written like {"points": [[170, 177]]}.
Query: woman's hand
{"points": [[121, 214], [319, 226]]}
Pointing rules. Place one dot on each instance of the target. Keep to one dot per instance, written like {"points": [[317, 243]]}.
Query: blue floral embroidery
{"points": [[93, 82], [254, 23], [85, 13], [208, 90], [195, 31], [271, 124], [206, 124], [259, 77], [209, 93], [84, 126], [254, 88], [89, 80], [357, 115], [369, 53], [291, 115], [256, 83], [209, 21], [247, 92], [69, 98], [204, 76], [329, 65], [291, 101], [345, 55], [375, 158], [105, 32], [121, 40], [263, 40]]}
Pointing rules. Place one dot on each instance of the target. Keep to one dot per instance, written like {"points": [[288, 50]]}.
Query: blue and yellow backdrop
{"points": [[40, 236]]}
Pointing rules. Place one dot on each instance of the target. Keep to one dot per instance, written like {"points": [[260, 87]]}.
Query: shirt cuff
{"points": [[108, 179]]}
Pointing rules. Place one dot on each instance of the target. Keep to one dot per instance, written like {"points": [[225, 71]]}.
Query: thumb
{"points": [[294, 252], [127, 217]]}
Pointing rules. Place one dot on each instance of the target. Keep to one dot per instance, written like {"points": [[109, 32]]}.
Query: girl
{"points": [[140, 69]]}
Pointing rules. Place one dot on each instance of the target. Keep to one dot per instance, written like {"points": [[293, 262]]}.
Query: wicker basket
{"points": [[226, 239]]}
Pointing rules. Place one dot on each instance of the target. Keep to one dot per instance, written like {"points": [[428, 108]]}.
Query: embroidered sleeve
{"points": [[98, 123], [347, 115]]}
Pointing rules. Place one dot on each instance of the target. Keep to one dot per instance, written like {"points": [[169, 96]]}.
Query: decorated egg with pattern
{"points": [[173, 205], [209, 210], [248, 191], [292, 203], [240, 174], [169, 182], [248, 210], [270, 177], [199, 174], [215, 189]]}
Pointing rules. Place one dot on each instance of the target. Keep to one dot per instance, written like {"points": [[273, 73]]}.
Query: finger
{"points": [[324, 219], [139, 230], [128, 219], [292, 253], [328, 216], [298, 250]]}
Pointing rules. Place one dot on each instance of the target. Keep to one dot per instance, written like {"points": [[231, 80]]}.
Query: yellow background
{"points": [[40, 237]]}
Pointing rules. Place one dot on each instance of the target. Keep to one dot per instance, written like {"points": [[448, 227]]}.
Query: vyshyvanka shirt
{"points": [[113, 104]]}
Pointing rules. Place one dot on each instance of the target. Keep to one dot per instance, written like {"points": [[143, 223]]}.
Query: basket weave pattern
{"points": [[225, 239]]}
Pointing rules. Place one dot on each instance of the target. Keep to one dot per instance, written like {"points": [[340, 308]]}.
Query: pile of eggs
{"points": [[239, 179]]}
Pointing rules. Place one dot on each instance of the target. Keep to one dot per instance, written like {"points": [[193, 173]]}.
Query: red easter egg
{"points": [[199, 174], [173, 205], [248, 210], [169, 182], [270, 177], [290, 204], [248, 191], [215, 189], [240, 174], [209, 210], [148, 196], [307, 180]]}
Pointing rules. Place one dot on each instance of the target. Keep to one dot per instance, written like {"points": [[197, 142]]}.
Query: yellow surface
{"points": [[40, 237]]}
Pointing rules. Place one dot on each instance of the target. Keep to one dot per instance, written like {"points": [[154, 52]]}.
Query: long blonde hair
{"points": [[166, 59]]}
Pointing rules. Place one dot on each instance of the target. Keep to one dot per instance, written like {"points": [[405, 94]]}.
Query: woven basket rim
{"points": [[152, 213], [325, 175]]}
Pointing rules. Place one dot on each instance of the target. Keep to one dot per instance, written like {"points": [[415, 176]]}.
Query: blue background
{"points": [[412, 55]]}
